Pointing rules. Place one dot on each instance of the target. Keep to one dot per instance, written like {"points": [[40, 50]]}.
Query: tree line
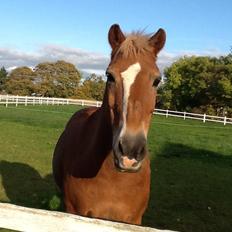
{"points": [[57, 79], [199, 84]]}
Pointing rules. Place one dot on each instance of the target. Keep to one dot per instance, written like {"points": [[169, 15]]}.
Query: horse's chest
{"points": [[103, 199], [110, 195], [105, 189]]}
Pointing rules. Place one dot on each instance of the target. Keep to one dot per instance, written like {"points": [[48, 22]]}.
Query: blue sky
{"points": [[46, 30]]}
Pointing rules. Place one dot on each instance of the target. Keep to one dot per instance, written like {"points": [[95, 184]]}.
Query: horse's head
{"points": [[132, 78]]}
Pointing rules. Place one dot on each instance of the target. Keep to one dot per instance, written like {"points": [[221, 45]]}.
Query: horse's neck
{"points": [[104, 127], [106, 120]]}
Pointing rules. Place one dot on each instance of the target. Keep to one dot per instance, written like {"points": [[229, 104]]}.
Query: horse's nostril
{"points": [[142, 150], [120, 147], [140, 155]]}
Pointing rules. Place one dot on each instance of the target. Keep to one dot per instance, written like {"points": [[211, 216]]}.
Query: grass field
{"points": [[191, 163]]}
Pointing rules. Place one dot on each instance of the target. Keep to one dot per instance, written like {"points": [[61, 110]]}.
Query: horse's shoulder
{"points": [[81, 115]]}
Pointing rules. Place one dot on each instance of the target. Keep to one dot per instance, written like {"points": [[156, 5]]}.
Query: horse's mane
{"points": [[135, 44]]}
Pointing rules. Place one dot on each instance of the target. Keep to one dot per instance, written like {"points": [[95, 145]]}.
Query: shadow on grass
{"points": [[24, 186], [191, 190]]}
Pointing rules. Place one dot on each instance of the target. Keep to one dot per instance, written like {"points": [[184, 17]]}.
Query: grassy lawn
{"points": [[191, 162]]}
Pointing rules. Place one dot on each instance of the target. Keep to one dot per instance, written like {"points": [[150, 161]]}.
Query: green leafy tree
{"points": [[199, 84], [3, 77]]}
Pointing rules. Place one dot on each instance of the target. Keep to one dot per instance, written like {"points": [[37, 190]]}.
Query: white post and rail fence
{"points": [[36, 220], [8, 100]]}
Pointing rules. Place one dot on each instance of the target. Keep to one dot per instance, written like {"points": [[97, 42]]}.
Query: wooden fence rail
{"points": [[31, 100], [36, 220]]}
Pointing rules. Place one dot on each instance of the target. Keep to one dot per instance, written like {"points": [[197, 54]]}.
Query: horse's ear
{"points": [[157, 41], [115, 36]]}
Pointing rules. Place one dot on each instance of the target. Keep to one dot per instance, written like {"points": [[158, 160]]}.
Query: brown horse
{"points": [[100, 162]]}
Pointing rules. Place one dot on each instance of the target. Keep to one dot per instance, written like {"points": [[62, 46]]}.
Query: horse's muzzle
{"points": [[129, 152]]}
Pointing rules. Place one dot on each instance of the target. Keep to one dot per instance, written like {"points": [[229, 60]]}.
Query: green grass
{"points": [[191, 164]]}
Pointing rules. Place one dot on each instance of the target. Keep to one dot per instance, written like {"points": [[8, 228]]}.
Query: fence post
{"points": [[26, 101], [166, 113], [33, 101], [47, 100], [7, 100], [17, 100], [82, 103], [224, 120], [204, 117], [53, 101], [184, 115]]}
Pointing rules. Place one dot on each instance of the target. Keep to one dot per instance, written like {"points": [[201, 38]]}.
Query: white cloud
{"points": [[96, 71], [9, 69], [84, 60]]}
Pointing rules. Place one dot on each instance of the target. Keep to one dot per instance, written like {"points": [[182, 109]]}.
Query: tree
{"points": [[200, 84], [20, 82], [60, 79], [3, 77], [92, 88]]}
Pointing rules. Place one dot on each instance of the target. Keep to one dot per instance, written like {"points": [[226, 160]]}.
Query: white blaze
{"points": [[128, 77]]}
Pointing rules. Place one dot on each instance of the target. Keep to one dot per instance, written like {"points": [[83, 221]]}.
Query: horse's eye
{"points": [[157, 81], [110, 77]]}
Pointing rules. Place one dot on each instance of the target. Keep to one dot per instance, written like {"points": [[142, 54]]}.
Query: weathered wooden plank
{"points": [[37, 220]]}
